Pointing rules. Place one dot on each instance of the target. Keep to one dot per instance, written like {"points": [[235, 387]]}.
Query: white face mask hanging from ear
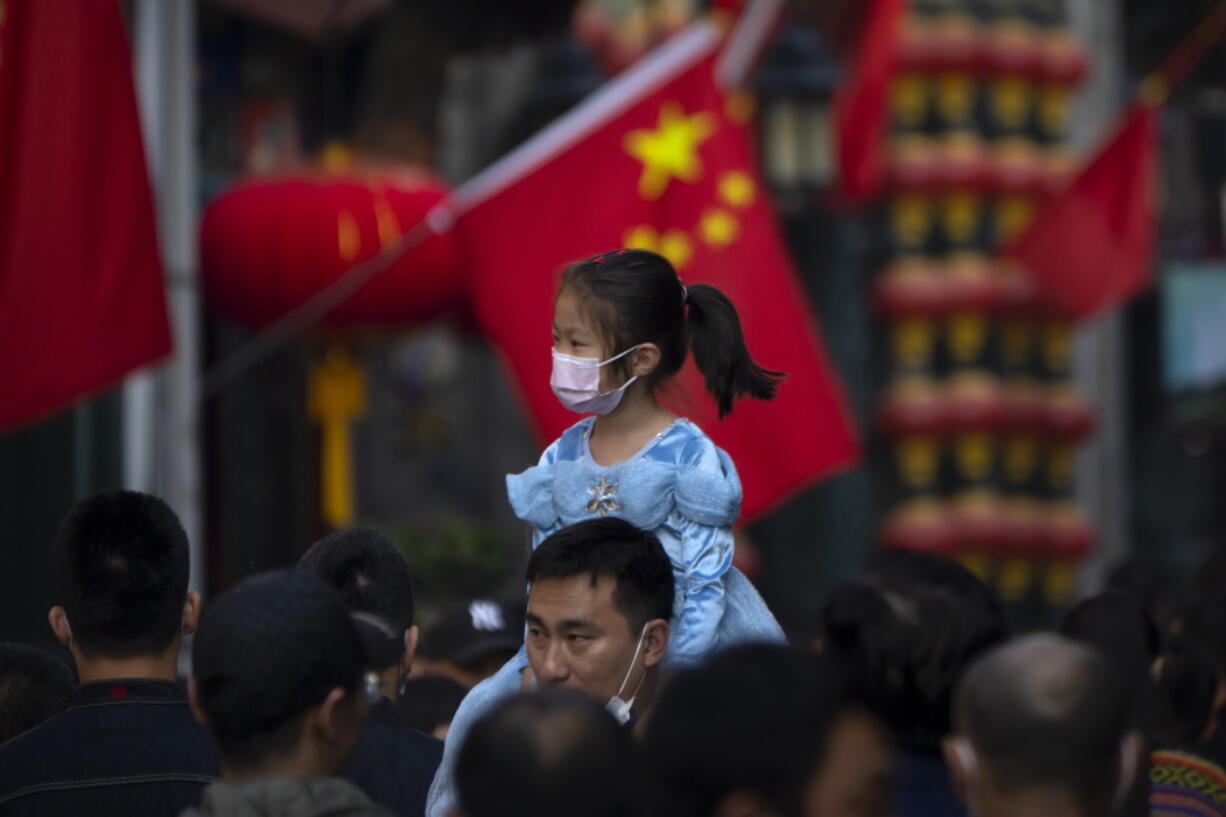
{"points": [[617, 707]]}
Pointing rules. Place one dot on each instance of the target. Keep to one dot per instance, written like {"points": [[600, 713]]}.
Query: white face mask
{"points": [[576, 382], [618, 708]]}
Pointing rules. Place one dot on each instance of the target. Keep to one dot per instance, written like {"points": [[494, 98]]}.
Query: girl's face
{"points": [[575, 335]]}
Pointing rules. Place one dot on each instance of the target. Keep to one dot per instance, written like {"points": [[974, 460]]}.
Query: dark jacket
{"points": [[924, 787], [288, 796], [395, 764], [128, 746]]}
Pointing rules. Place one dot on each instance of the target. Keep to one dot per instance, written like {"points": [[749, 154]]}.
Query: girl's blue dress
{"points": [[681, 487]]}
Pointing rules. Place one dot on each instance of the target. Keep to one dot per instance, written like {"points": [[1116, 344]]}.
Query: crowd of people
{"points": [[643, 674], [916, 700]]}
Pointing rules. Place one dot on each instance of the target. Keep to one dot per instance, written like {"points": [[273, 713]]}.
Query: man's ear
{"points": [[410, 649], [327, 718], [193, 700], [742, 803], [58, 620], [644, 360], [191, 612], [962, 764], [655, 642], [1131, 747]]}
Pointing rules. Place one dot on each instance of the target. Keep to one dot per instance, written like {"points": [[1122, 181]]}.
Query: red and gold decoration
{"points": [[979, 405], [270, 244]]}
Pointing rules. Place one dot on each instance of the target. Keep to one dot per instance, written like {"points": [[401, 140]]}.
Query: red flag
{"points": [[660, 158], [1091, 246], [81, 294], [861, 109]]}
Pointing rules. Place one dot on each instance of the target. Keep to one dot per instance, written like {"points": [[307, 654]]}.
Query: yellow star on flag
{"points": [[642, 237], [671, 150], [718, 227], [736, 188], [676, 247]]}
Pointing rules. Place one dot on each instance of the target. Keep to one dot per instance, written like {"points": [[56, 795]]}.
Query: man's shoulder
{"points": [[406, 742], [84, 744]]}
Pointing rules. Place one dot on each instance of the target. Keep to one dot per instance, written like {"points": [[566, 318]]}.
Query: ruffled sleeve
{"points": [[531, 492], [708, 489], [708, 495]]}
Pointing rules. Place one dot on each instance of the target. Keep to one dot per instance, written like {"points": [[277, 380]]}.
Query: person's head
{"points": [[599, 607], [34, 685], [372, 577], [907, 627], [549, 753], [767, 731], [121, 565], [1187, 694], [471, 640], [429, 703], [1042, 719], [633, 302], [1118, 625], [277, 677]]}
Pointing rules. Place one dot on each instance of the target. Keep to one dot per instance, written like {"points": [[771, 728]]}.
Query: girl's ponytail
{"points": [[714, 334]]}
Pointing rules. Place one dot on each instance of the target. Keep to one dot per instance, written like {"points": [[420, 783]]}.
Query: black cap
{"points": [[471, 630], [270, 648]]}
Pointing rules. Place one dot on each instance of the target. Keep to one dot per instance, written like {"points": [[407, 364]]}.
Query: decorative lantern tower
{"points": [[979, 404]]}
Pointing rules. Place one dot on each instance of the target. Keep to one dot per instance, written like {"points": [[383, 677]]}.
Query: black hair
{"points": [[635, 296], [268, 650], [551, 753], [755, 718], [373, 579], [1186, 694], [907, 627], [34, 685], [1118, 625], [1045, 711], [426, 703], [612, 547], [121, 565]]}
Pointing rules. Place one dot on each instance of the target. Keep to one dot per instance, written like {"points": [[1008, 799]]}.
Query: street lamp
{"points": [[795, 84]]}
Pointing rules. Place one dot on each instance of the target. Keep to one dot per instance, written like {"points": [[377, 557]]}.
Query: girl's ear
{"points": [[644, 360]]}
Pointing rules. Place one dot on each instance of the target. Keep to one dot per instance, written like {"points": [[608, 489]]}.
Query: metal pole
{"points": [[162, 445], [1100, 349]]}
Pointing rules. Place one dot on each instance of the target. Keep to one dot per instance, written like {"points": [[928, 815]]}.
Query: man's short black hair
{"points": [[1045, 711], [551, 753], [373, 579], [268, 650], [612, 547], [34, 685], [755, 718], [121, 565], [907, 627]]}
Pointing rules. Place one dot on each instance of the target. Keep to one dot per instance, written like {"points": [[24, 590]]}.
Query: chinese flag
{"points": [[81, 297], [861, 109], [1091, 246], [661, 159]]}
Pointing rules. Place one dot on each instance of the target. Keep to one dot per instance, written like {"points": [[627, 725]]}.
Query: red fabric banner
{"points": [[861, 106], [661, 159], [81, 290], [1091, 246]]}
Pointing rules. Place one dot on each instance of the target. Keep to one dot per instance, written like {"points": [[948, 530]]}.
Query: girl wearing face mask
{"points": [[623, 325]]}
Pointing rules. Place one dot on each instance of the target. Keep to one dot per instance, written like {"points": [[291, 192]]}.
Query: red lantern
{"points": [[268, 245]]}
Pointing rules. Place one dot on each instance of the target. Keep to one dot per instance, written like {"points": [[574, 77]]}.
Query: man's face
{"points": [[577, 637], [857, 772]]}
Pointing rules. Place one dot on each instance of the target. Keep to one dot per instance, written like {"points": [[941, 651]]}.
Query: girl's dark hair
{"points": [[635, 296]]}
